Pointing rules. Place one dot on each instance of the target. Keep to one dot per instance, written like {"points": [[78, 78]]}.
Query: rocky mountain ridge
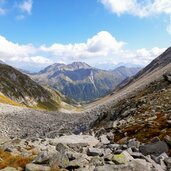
{"points": [[82, 82]]}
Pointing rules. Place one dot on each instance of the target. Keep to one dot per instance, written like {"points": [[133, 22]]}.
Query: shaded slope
{"points": [[21, 89]]}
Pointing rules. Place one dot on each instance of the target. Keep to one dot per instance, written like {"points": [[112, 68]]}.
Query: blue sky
{"points": [[38, 33]]}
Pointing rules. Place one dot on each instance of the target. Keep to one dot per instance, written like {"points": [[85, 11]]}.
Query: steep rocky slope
{"points": [[82, 82], [19, 88], [142, 106]]}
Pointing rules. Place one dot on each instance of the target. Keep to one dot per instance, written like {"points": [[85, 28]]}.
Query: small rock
{"points": [[9, 169], [104, 140], [60, 160], [167, 139], [110, 167], [119, 159], [159, 158], [155, 140], [36, 167], [61, 148], [127, 155], [141, 165], [110, 136], [42, 158], [133, 143], [168, 162], [94, 152]]}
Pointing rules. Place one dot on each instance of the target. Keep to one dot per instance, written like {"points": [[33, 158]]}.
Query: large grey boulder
{"points": [[154, 148]]}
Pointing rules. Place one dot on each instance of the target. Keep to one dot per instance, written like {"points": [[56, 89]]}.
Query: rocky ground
{"points": [[23, 122], [128, 130], [97, 152]]}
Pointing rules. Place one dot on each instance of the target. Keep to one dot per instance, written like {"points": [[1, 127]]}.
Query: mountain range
{"points": [[81, 82]]}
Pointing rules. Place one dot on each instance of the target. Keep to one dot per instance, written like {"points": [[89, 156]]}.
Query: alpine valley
{"points": [[81, 82]]}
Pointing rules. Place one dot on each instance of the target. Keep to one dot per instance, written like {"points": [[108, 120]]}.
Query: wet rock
{"points": [[154, 148], [36, 167]]}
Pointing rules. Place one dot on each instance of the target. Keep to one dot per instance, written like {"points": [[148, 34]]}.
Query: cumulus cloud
{"points": [[102, 47], [143, 8], [18, 55], [138, 8], [26, 6]]}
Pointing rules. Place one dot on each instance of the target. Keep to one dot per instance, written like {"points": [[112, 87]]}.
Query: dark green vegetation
{"points": [[82, 82]]}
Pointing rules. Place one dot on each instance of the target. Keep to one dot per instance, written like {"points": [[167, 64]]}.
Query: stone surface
{"points": [[76, 139], [60, 160], [104, 140], [42, 158], [94, 152], [154, 148], [119, 159], [9, 169], [36, 167]]}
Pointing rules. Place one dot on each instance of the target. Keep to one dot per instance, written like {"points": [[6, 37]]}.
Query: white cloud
{"points": [[26, 6], [102, 47], [141, 8]]}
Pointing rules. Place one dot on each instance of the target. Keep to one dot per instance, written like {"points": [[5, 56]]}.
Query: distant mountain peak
{"points": [[80, 65]]}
